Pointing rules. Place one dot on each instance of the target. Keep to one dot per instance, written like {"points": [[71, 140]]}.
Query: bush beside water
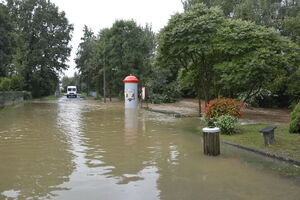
{"points": [[227, 124], [295, 120], [223, 112]]}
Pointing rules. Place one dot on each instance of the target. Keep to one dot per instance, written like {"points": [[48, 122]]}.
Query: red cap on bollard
{"points": [[131, 79]]}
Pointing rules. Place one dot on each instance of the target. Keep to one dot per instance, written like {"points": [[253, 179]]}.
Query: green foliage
{"points": [[27, 95], [74, 81], [227, 124], [262, 12], [42, 34], [6, 41], [295, 120], [85, 60], [252, 59], [210, 122], [161, 86], [257, 59], [291, 28], [188, 42], [17, 83], [5, 84], [123, 49]]}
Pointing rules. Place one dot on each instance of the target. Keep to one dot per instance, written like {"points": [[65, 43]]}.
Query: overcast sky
{"points": [[98, 14]]}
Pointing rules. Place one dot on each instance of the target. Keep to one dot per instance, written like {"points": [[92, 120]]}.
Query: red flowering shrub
{"points": [[223, 106]]}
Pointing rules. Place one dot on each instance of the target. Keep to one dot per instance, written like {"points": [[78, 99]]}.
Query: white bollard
{"points": [[131, 92]]}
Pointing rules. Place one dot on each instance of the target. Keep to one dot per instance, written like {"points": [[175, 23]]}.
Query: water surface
{"points": [[72, 149]]}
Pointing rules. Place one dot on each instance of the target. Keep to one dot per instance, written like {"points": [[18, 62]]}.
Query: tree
{"points": [[291, 28], [222, 56], [6, 42], [279, 14], [70, 81], [256, 59], [123, 49], [84, 58], [188, 41], [129, 49], [295, 120], [226, 5], [43, 34]]}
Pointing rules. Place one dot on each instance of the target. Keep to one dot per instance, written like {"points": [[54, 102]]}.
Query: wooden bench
{"points": [[268, 133]]}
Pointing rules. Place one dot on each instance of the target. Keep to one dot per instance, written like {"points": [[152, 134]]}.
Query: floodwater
{"points": [[70, 149]]}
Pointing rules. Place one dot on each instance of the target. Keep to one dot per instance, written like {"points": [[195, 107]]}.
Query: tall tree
{"points": [[279, 14], [256, 59], [130, 48], [188, 41], [6, 41], [123, 49], [43, 35], [215, 52], [84, 58]]}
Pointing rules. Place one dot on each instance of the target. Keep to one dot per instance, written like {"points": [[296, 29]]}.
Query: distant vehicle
{"points": [[71, 91]]}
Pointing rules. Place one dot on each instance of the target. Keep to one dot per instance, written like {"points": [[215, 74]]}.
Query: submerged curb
{"points": [[285, 159], [175, 114]]}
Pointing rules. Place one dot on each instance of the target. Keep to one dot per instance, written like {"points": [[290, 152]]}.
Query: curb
{"points": [[175, 114], [270, 155], [285, 159]]}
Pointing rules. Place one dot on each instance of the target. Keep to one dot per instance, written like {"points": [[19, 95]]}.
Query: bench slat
{"points": [[268, 129]]}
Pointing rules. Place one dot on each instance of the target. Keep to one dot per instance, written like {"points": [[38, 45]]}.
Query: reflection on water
{"points": [[34, 153], [131, 126], [88, 150]]}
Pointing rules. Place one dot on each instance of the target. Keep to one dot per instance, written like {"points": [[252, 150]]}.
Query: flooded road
{"points": [[88, 150]]}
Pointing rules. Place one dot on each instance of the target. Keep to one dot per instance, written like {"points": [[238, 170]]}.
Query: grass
{"points": [[286, 144], [7, 108], [51, 97]]}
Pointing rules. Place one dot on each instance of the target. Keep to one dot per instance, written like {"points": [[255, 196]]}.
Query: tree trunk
{"points": [[199, 101], [110, 94]]}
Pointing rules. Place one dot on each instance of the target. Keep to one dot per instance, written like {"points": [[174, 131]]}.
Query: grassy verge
{"points": [[7, 108], [52, 97], [286, 144]]}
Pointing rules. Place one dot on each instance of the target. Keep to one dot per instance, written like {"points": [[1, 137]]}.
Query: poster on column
{"points": [[129, 94]]}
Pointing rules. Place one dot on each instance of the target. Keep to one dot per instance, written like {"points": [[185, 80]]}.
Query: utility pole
{"points": [[104, 81]]}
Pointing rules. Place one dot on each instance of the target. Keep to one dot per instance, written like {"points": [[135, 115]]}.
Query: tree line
{"points": [[34, 46], [244, 49], [241, 49], [114, 53]]}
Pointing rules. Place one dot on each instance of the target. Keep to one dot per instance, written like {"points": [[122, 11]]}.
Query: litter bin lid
{"points": [[211, 130]]}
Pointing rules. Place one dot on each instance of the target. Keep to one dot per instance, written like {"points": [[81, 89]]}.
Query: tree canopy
{"points": [[42, 36], [279, 14], [6, 41], [224, 56], [123, 49]]}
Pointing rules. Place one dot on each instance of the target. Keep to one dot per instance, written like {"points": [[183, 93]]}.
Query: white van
{"points": [[71, 91]]}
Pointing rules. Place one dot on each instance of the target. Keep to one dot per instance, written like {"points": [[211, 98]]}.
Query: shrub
{"points": [[223, 106], [17, 83], [168, 94], [210, 122], [27, 95], [295, 120], [5, 84], [227, 124]]}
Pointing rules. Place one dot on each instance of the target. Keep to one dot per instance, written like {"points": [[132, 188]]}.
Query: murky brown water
{"points": [[87, 150]]}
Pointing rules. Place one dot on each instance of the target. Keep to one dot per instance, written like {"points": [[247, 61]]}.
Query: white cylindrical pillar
{"points": [[131, 92]]}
